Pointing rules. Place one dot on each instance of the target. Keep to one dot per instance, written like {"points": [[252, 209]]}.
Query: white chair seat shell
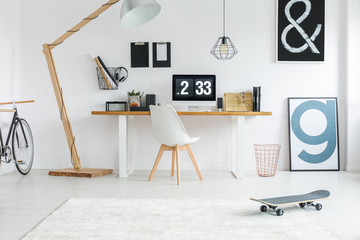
{"points": [[168, 128]]}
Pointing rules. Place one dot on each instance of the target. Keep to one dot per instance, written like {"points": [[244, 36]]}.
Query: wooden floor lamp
{"points": [[133, 13]]}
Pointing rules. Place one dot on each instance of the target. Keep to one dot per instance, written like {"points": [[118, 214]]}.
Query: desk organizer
{"points": [[108, 83], [116, 106], [238, 102]]}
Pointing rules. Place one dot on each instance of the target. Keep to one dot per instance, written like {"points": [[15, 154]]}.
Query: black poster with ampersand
{"points": [[300, 30]]}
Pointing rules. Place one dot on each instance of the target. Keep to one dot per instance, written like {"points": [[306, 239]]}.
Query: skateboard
{"points": [[303, 200]]}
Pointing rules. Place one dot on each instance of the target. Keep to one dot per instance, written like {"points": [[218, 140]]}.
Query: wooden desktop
{"points": [[129, 113]]}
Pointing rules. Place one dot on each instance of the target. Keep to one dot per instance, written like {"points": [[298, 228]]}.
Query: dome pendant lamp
{"points": [[136, 12], [224, 49]]}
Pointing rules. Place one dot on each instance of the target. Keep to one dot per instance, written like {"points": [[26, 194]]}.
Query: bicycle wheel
{"points": [[23, 146]]}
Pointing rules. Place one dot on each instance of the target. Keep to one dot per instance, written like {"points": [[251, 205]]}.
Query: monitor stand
{"points": [[193, 108]]}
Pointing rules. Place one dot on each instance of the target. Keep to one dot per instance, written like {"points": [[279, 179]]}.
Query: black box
{"points": [[139, 109], [150, 99]]}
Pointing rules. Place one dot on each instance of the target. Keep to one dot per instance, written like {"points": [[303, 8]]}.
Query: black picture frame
{"points": [[300, 37], [314, 148]]}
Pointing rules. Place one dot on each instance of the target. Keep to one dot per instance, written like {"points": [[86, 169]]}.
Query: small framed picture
{"points": [[313, 134]]}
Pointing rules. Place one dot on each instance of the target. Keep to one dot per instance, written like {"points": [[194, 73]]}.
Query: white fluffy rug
{"points": [[170, 219]]}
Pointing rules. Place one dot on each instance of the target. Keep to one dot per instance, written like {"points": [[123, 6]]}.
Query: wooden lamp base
{"points": [[83, 172]]}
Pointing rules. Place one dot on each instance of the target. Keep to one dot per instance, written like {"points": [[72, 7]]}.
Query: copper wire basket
{"points": [[267, 157]]}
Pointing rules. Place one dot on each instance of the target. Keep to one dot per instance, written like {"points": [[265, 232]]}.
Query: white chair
{"points": [[170, 132]]}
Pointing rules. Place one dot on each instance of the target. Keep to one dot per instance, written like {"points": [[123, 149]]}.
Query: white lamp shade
{"points": [[137, 12]]}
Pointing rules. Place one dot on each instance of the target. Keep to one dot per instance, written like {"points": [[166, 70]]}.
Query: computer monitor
{"points": [[194, 91]]}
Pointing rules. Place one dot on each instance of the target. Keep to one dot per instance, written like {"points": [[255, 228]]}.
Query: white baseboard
{"points": [[5, 168], [353, 168]]}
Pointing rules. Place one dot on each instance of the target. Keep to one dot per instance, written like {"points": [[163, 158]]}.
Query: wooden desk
{"points": [[126, 137]]}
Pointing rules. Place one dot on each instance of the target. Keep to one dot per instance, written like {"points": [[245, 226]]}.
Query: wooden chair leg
{"points": [[177, 164], [188, 148], [161, 151], [173, 163]]}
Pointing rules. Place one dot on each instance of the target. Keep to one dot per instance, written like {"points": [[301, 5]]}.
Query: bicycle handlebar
{"points": [[17, 102], [7, 110]]}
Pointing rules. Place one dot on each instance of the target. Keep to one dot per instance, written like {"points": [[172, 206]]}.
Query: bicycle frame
{"points": [[3, 146]]}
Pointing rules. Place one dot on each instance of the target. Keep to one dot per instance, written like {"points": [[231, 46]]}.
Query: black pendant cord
{"points": [[224, 49], [224, 18]]}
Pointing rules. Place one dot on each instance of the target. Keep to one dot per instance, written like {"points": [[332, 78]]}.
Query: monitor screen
{"points": [[194, 88]]}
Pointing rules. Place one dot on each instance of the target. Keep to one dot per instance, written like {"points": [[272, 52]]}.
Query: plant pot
{"points": [[134, 100]]}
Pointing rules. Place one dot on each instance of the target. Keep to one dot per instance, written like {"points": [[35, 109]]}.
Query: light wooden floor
{"points": [[26, 200]]}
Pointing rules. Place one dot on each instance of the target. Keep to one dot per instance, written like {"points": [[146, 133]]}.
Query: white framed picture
{"points": [[313, 134]]}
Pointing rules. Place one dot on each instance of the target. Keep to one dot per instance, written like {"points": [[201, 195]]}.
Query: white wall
{"points": [[192, 32], [10, 64], [353, 86]]}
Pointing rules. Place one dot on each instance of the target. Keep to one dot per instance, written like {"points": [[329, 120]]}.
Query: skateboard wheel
{"points": [[318, 206], [263, 208], [302, 204], [279, 212]]}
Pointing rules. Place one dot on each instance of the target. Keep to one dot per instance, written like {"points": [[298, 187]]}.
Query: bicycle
{"points": [[21, 151]]}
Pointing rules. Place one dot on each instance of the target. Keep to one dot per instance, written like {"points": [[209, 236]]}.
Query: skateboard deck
{"points": [[302, 199]]}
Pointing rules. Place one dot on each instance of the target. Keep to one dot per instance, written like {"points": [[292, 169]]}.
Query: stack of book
{"points": [[256, 99]]}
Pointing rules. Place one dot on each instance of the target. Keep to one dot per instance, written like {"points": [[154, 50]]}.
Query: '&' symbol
{"points": [[296, 25]]}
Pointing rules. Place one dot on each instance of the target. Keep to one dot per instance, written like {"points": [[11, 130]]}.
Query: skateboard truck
{"points": [[317, 206], [280, 212]]}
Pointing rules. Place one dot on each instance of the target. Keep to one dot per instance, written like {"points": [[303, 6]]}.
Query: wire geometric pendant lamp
{"points": [[224, 49]]}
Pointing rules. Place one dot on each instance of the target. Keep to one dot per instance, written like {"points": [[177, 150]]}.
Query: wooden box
{"points": [[238, 102]]}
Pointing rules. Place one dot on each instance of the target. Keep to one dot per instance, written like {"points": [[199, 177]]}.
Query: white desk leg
{"points": [[126, 143], [123, 148], [237, 145], [130, 144]]}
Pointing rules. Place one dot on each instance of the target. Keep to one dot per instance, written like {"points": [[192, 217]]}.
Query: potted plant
{"points": [[134, 98]]}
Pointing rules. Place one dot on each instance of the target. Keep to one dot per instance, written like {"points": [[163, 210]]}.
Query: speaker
{"points": [[220, 104], [150, 99]]}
